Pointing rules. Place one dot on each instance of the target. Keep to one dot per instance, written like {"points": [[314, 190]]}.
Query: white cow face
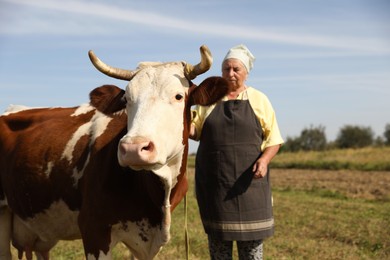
{"points": [[155, 99]]}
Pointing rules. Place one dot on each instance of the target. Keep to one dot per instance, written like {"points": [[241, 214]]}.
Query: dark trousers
{"points": [[247, 250]]}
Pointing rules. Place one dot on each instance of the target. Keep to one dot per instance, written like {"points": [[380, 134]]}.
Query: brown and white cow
{"points": [[109, 171]]}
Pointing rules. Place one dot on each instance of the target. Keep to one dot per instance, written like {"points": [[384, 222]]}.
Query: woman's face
{"points": [[235, 73]]}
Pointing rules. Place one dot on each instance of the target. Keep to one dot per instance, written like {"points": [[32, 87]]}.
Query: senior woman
{"points": [[238, 137]]}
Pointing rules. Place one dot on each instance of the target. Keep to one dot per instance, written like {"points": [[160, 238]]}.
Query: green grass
{"points": [[312, 223], [365, 159]]}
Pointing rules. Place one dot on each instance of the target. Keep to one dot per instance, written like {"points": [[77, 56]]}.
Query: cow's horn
{"points": [[205, 64], [110, 71]]}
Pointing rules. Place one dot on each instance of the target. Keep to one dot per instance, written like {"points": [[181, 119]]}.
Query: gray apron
{"points": [[232, 205]]}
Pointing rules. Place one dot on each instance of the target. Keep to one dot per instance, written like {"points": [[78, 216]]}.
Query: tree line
{"points": [[349, 136]]}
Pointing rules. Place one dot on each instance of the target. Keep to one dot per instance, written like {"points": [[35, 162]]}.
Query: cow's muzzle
{"points": [[137, 153]]}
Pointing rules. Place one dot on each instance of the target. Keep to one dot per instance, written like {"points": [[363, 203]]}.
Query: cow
{"points": [[108, 171]]}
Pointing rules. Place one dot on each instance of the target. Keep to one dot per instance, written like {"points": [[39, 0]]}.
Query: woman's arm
{"points": [[260, 168], [192, 133]]}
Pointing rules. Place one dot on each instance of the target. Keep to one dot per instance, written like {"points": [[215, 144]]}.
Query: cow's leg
{"points": [[42, 248], [42, 255], [97, 247], [96, 239], [132, 257], [100, 256], [29, 253], [5, 232]]}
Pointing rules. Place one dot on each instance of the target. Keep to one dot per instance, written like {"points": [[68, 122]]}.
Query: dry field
{"points": [[371, 185]]}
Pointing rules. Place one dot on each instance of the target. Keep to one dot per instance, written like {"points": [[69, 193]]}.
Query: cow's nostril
{"points": [[149, 147], [136, 152]]}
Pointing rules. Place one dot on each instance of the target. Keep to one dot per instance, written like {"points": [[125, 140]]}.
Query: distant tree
{"points": [[378, 142], [331, 145], [291, 145], [354, 137], [386, 134], [313, 139]]}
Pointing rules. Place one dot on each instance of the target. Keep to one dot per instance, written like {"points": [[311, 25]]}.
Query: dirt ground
{"points": [[353, 184]]}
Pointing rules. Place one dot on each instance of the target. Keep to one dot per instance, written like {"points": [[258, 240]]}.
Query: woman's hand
{"points": [[260, 168]]}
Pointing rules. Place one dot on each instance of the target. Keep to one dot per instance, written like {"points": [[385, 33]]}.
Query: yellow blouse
{"points": [[263, 111]]}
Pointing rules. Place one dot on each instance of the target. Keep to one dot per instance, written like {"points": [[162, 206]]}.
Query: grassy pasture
{"points": [[365, 159], [319, 214]]}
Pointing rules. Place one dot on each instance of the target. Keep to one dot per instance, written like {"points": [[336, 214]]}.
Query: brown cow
{"points": [[109, 171]]}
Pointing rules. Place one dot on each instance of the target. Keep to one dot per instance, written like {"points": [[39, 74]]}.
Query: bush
{"points": [[311, 139], [386, 134], [354, 137]]}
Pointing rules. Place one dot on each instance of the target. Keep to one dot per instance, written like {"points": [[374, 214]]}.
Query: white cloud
{"points": [[101, 19], [373, 82]]}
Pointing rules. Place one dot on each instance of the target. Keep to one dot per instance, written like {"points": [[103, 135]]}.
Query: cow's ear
{"points": [[209, 91], [108, 99]]}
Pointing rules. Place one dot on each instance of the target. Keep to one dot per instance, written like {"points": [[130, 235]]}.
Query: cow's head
{"points": [[157, 99]]}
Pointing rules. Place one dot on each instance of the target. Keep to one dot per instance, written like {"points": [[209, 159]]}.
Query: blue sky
{"points": [[320, 62]]}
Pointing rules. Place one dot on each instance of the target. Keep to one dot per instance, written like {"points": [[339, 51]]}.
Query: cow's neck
{"points": [[168, 174]]}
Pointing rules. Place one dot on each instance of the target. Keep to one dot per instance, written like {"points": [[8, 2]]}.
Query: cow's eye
{"points": [[179, 97]]}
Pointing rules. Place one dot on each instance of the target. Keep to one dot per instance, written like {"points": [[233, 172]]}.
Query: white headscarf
{"points": [[242, 53]]}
